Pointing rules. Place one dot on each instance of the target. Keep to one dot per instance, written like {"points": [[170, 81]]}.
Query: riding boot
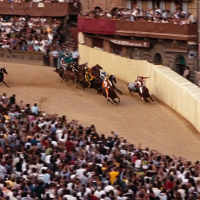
{"points": [[107, 97]]}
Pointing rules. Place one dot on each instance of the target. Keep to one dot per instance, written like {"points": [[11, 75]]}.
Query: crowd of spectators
{"points": [[36, 34], [43, 1], [30, 34], [150, 15], [44, 156]]}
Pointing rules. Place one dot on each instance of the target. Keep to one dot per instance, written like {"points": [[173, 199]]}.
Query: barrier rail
{"points": [[15, 56]]}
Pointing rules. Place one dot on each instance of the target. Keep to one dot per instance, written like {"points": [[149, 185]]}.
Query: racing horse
{"points": [[95, 83], [132, 87], [112, 89], [2, 72], [113, 80], [95, 71]]}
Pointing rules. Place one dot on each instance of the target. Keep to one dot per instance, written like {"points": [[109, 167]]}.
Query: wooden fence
{"points": [[24, 57]]}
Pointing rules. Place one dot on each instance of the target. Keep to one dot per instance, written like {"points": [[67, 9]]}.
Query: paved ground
{"points": [[154, 125]]}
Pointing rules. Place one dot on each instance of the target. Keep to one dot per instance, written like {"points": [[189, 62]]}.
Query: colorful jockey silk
{"points": [[67, 57]]}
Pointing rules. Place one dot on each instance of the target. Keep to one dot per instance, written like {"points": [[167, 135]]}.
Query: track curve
{"points": [[152, 124]]}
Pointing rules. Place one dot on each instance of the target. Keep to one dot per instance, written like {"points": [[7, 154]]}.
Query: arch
{"points": [[179, 64], [157, 60]]}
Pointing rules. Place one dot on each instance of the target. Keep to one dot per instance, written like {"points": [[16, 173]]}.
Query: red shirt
{"points": [[169, 185], [69, 146], [45, 143], [94, 197], [134, 158]]}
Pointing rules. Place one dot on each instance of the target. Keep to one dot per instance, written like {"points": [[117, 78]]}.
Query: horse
{"points": [[112, 95], [2, 72], [113, 80], [132, 87], [95, 83], [95, 71], [60, 71], [69, 75], [112, 89]]}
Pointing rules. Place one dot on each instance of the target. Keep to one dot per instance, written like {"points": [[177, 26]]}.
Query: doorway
{"points": [[179, 64], [157, 59]]}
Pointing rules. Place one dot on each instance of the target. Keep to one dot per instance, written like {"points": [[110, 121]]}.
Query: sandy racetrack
{"points": [[151, 124]]}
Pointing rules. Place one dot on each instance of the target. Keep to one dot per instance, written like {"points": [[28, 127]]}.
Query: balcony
{"points": [[138, 29], [41, 9]]}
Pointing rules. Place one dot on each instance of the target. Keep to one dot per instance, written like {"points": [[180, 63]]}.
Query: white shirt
{"points": [[69, 197], [99, 193], [79, 172], [138, 163], [75, 54], [47, 159], [108, 188]]}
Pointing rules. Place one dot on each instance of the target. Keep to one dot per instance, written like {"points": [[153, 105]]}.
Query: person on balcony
{"points": [[191, 19]]}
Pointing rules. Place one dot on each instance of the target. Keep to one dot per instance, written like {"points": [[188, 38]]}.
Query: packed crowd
{"points": [[30, 34], [43, 1], [151, 15], [36, 34], [44, 156]]}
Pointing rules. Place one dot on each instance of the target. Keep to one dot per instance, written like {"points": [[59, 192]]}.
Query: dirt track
{"points": [[151, 124]]}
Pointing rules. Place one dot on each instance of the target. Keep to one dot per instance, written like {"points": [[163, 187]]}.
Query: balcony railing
{"points": [[172, 31]]}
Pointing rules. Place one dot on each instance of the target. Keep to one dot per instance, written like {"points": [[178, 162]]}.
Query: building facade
{"points": [[169, 44]]}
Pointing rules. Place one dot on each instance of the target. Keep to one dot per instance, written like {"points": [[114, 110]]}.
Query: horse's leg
{"points": [[119, 100], [110, 101], [146, 100], [119, 91], [151, 98], [5, 84], [116, 101]]}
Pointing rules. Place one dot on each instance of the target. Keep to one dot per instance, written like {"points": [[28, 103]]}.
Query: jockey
{"points": [[103, 75], [141, 82], [62, 62], [106, 85], [88, 77]]}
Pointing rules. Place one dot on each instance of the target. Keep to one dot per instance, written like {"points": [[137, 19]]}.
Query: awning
{"points": [[125, 42]]}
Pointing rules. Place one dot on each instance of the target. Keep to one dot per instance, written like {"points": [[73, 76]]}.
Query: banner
{"points": [[98, 26]]}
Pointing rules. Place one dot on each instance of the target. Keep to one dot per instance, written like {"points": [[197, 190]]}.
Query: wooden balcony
{"points": [[138, 29]]}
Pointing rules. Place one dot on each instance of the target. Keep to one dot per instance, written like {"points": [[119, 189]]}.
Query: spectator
{"points": [[34, 109], [39, 162], [186, 72]]}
